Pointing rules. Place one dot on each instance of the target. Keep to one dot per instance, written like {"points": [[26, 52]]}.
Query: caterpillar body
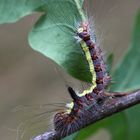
{"points": [[80, 110], [69, 120]]}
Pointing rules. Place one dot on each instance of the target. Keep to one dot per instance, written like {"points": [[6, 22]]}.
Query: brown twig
{"points": [[100, 110]]}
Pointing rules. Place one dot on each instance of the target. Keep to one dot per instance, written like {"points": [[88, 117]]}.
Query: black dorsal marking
{"points": [[72, 94]]}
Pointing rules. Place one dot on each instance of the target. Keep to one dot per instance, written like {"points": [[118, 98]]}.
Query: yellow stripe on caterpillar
{"points": [[91, 67], [93, 73]]}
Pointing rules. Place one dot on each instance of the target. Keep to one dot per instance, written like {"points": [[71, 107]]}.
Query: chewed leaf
{"points": [[54, 36], [13, 10]]}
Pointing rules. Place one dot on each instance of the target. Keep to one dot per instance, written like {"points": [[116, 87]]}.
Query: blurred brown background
{"points": [[27, 77]]}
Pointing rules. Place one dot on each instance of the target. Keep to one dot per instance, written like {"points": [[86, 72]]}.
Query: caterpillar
{"points": [[78, 111], [67, 121]]}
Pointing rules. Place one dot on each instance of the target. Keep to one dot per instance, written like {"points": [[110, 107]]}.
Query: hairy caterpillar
{"points": [[69, 120]]}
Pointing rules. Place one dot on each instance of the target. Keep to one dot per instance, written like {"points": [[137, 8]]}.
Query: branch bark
{"points": [[99, 111]]}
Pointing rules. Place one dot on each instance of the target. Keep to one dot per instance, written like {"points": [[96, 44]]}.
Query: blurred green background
{"points": [[27, 77]]}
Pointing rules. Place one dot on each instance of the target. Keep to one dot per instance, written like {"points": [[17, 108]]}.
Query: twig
{"points": [[98, 111]]}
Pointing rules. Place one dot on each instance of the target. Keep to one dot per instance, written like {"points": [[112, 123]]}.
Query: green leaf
{"points": [[13, 10], [54, 36], [125, 125], [127, 73]]}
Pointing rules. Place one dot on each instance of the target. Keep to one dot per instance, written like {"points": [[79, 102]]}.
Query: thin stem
{"points": [[81, 12]]}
